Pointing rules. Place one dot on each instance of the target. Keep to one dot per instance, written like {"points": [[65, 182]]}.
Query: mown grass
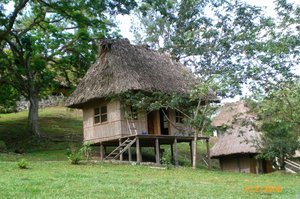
{"points": [[62, 180]]}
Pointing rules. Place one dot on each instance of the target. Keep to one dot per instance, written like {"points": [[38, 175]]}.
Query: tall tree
{"points": [[42, 38], [280, 117], [231, 42]]}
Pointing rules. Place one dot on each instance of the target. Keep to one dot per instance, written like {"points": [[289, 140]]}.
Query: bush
{"points": [[3, 147], [75, 156], [166, 160], [23, 164], [86, 150]]}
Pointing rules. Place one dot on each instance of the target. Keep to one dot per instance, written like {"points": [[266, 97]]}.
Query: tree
{"points": [[280, 117], [230, 42], [42, 39]]}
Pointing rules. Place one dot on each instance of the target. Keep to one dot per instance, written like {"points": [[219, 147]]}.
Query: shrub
{"points": [[86, 150], [23, 164], [166, 160], [3, 147], [75, 156]]}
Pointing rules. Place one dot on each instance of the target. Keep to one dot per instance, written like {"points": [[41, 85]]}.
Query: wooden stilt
{"points": [[121, 156], [101, 151], [175, 154], [208, 154], [157, 151], [129, 154], [191, 150], [172, 152], [138, 151]]}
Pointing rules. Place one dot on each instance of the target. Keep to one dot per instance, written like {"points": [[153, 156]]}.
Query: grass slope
{"points": [[59, 126]]}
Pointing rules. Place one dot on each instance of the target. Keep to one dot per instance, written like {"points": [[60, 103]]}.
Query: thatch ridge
{"points": [[241, 134], [122, 67]]}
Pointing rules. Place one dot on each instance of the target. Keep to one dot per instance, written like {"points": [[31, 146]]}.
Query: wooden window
{"points": [[100, 114], [178, 117]]}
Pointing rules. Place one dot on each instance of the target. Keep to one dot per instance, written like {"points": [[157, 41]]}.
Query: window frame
{"points": [[100, 114]]}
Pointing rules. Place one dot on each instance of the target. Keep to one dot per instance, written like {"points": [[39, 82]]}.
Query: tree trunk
{"points": [[281, 162], [33, 114]]}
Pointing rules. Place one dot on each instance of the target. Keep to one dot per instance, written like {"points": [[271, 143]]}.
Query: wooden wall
{"points": [[116, 125], [103, 131], [239, 163], [176, 128], [140, 123]]}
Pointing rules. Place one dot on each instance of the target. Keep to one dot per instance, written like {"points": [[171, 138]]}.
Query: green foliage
{"points": [[23, 164], [86, 150], [280, 116], [8, 98], [3, 147], [75, 156], [228, 42], [47, 44], [165, 160]]}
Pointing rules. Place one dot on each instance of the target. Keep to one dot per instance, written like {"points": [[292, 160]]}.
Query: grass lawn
{"points": [[50, 175], [62, 180]]}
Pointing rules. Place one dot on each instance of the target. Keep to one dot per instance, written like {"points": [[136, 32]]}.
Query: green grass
{"points": [[62, 180], [56, 124]]}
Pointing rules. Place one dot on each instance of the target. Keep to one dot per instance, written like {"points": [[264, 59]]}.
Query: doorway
{"points": [[164, 123]]}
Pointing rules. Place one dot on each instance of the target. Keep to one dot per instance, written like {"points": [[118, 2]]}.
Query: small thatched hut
{"points": [[122, 67], [238, 134]]}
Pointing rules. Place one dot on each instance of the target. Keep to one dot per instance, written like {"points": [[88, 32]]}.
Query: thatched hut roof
{"points": [[228, 113], [123, 67], [241, 134]]}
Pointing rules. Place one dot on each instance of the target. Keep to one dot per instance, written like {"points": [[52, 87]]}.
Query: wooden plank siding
{"points": [[116, 125]]}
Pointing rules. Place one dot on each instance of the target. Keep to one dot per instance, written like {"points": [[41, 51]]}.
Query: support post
{"points": [[157, 151], [138, 150], [175, 154], [172, 152], [121, 156], [129, 154], [102, 152], [191, 150], [208, 153]]}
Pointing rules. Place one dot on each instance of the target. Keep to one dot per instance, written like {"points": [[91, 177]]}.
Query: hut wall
{"points": [[176, 128], [238, 163], [102, 131], [140, 123]]}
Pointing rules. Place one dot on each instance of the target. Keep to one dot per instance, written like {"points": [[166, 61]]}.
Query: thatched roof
{"points": [[123, 67], [228, 113], [240, 135]]}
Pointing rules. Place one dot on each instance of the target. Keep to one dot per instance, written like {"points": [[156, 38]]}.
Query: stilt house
{"points": [[238, 134], [122, 67]]}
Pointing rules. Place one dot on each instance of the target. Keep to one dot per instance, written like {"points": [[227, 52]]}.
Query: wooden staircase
{"points": [[120, 149], [292, 166]]}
